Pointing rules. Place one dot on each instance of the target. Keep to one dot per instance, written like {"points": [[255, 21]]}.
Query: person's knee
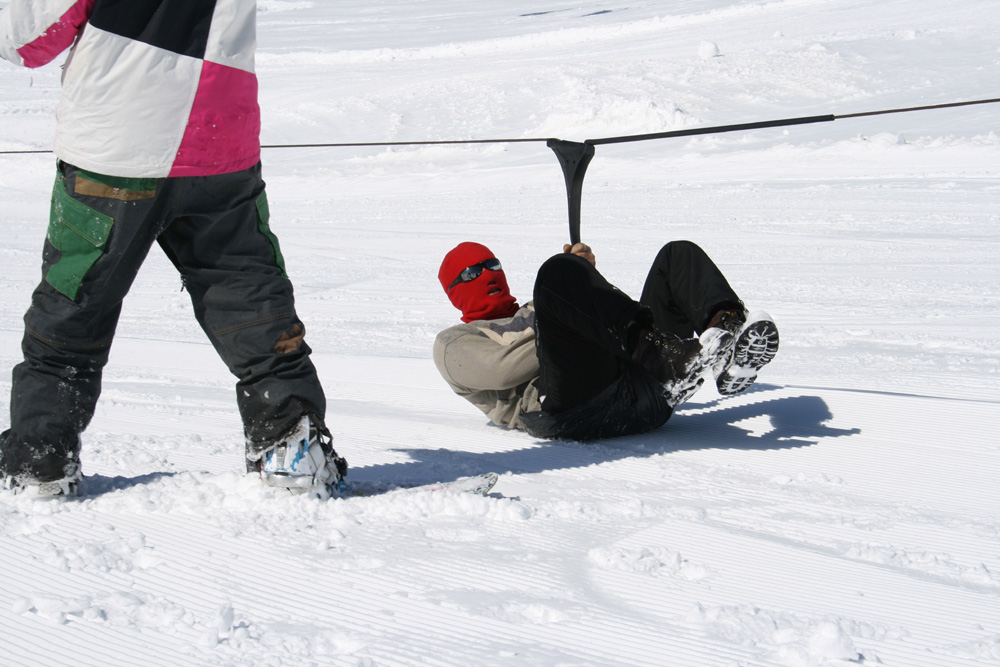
{"points": [[677, 252], [683, 246], [562, 266], [559, 271]]}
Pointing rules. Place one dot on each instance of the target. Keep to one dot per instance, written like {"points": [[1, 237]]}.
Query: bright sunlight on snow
{"points": [[844, 511]]}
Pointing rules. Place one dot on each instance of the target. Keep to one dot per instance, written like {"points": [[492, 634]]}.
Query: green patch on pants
{"points": [[79, 233]]}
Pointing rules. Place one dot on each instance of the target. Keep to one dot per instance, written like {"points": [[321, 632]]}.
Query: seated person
{"points": [[583, 360]]}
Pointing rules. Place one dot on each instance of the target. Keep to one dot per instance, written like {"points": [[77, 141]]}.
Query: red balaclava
{"points": [[485, 298]]}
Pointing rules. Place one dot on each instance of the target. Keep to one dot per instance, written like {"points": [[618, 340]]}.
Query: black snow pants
{"points": [[590, 386], [215, 231]]}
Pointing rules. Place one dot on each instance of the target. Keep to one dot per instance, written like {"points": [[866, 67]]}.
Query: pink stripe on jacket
{"points": [[224, 124], [58, 37]]}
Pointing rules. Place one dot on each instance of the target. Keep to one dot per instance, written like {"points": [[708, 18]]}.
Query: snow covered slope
{"points": [[842, 512]]}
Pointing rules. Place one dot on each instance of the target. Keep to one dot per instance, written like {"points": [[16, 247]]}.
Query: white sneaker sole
{"points": [[755, 347]]}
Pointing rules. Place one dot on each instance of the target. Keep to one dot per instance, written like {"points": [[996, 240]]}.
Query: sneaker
{"points": [[710, 349], [755, 347], [679, 363], [304, 461]]}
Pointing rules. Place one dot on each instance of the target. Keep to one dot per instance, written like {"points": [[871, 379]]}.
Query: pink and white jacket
{"points": [[151, 88]]}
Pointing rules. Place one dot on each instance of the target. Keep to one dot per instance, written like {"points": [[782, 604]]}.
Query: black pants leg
{"points": [[581, 321], [685, 288], [97, 239], [232, 266], [215, 230]]}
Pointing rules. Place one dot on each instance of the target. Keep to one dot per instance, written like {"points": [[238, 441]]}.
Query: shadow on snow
{"points": [[791, 421], [794, 421]]}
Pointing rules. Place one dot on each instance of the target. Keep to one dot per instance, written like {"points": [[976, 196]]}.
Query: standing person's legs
{"points": [[582, 322], [685, 289], [100, 231], [233, 268]]}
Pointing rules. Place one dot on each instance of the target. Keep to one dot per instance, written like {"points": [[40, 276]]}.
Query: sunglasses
{"points": [[470, 273]]}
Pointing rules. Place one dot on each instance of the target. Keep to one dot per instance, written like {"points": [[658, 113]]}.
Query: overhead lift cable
{"points": [[574, 157]]}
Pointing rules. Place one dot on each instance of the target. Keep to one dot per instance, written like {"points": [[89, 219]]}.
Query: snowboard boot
{"points": [[679, 363], [67, 487], [304, 461], [55, 473], [756, 345]]}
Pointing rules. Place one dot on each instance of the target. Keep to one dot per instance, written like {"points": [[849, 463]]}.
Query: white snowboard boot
{"points": [[304, 461]]}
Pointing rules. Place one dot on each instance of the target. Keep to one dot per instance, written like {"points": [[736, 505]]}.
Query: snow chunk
{"points": [[708, 50], [792, 639], [828, 642], [654, 562]]}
